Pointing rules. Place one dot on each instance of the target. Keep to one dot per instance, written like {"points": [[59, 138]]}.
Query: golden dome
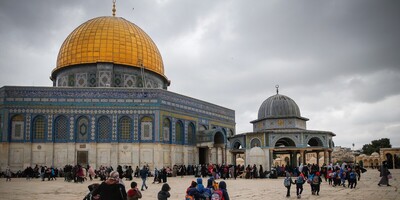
{"points": [[110, 39]]}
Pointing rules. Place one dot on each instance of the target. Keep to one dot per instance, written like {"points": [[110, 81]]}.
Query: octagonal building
{"points": [[109, 105], [281, 130]]}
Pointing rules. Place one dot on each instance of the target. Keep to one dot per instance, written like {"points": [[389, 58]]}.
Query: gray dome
{"points": [[278, 106]]}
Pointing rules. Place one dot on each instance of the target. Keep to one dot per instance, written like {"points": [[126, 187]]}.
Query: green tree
{"points": [[376, 145]]}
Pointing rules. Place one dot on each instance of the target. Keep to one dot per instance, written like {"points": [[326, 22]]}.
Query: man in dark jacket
{"points": [[143, 174]]}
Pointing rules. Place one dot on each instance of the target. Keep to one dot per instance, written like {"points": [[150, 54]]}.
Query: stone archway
{"points": [[237, 152], [315, 142], [219, 147], [285, 142], [219, 138]]}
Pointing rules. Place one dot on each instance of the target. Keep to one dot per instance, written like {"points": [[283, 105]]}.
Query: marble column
{"points": [[271, 159], [223, 155], [216, 156], [303, 156], [394, 161]]}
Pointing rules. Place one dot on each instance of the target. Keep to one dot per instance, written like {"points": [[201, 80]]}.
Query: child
{"points": [[299, 185], [287, 182], [164, 193], [330, 175], [316, 182], [134, 193], [352, 179]]}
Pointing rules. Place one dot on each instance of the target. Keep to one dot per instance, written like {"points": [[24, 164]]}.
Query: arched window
{"points": [[191, 134], [39, 128], [166, 129], [104, 129], [61, 128], [124, 128], [17, 127], [82, 129], [179, 132], [146, 128], [255, 143]]}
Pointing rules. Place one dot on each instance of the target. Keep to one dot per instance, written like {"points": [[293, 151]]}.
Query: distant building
{"points": [[391, 155]]}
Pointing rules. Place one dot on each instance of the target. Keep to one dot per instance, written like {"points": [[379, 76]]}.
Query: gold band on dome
{"points": [[110, 39]]}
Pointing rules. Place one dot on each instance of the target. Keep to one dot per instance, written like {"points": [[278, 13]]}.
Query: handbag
{"points": [[389, 176]]}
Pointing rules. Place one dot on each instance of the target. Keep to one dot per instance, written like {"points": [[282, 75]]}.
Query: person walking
{"points": [[91, 173], [156, 176], [352, 179], [299, 184], [144, 172], [316, 182], [287, 182], [384, 174]]}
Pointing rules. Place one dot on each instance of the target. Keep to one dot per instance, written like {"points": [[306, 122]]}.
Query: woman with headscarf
{"points": [[111, 189], [222, 187], [384, 174]]}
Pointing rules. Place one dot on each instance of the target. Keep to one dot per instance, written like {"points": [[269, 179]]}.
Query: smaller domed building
{"points": [[280, 129]]}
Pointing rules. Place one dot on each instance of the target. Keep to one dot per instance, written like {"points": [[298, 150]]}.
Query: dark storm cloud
{"points": [[338, 59]]}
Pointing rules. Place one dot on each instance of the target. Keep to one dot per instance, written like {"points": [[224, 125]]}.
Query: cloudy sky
{"points": [[338, 59]]}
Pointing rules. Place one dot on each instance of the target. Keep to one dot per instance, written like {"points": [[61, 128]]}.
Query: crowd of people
{"points": [[345, 175], [112, 186]]}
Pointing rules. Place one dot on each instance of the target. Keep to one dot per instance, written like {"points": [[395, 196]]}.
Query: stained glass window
{"points": [[179, 132], [166, 129], [104, 128], [146, 128], [124, 128], [38, 128], [17, 127], [61, 128], [191, 134]]}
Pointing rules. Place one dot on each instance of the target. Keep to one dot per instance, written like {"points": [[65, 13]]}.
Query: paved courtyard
{"points": [[367, 188]]}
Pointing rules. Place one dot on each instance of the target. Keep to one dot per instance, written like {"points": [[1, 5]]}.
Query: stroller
{"points": [[91, 188]]}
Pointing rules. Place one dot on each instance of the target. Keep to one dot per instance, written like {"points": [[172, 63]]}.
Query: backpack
{"points": [[352, 175], [207, 192], [300, 180], [217, 195], [315, 180], [286, 182]]}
